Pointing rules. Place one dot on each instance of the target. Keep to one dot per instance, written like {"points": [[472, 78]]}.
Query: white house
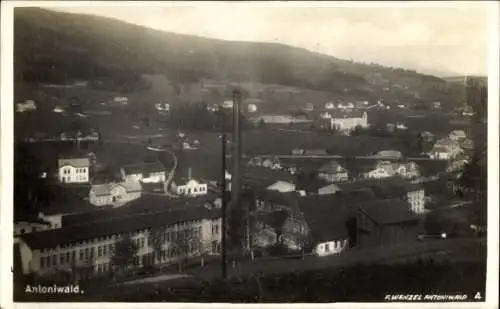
{"points": [[121, 100], [115, 194], [333, 172], [330, 247], [348, 121], [252, 108], [144, 172], [74, 170], [28, 105]]}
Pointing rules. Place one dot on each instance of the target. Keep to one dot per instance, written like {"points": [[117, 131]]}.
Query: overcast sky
{"points": [[438, 40]]}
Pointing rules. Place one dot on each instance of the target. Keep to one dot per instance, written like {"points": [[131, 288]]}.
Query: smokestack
{"points": [[189, 173]]}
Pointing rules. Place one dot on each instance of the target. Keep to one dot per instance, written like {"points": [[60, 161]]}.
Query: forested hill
{"points": [[52, 46]]}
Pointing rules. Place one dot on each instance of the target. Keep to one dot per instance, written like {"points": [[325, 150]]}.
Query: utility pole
{"points": [[236, 157], [224, 209]]}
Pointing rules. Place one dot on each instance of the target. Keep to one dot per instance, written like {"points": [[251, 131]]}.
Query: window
{"points": [[61, 259], [73, 257], [195, 190], [54, 260], [216, 229], [104, 250], [42, 262], [22, 231], [199, 232], [81, 254], [99, 251], [92, 252], [110, 247], [142, 242], [327, 247], [86, 253]]}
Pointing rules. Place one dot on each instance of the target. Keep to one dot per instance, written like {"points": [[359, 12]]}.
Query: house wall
{"points": [[70, 174], [330, 247], [98, 252], [54, 220], [21, 228], [398, 234]]}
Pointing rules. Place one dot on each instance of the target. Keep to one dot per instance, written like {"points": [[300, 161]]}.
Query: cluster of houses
{"points": [[333, 171]]}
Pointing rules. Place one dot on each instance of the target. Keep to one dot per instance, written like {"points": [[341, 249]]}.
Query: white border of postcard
{"points": [[6, 137]]}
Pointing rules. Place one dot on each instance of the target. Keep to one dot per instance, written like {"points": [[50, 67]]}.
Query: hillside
{"points": [[54, 47]]}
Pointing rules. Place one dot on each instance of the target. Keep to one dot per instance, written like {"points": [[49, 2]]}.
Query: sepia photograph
{"points": [[250, 152]]}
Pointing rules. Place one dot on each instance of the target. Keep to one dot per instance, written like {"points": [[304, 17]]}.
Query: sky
{"points": [[448, 39]]}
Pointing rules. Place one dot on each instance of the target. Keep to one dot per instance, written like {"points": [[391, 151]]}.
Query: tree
{"points": [[124, 254], [183, 243]]}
